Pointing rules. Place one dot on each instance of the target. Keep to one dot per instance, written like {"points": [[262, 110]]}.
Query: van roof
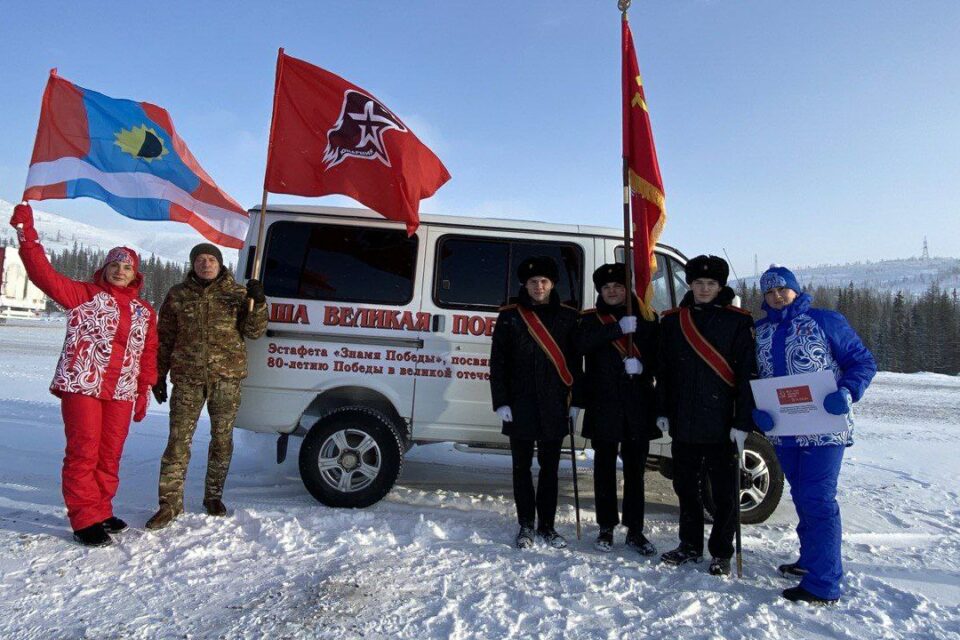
{"points": [[498, 224]]}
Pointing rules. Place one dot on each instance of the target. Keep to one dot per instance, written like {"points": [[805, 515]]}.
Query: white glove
{"points": [[628, 324], [663, 424], [574, 412], [740, 437], [633, 366], [505, 414]]}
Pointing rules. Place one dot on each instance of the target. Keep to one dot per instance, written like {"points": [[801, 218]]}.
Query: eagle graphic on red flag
{"points": [[330, 136], [647, 202]]}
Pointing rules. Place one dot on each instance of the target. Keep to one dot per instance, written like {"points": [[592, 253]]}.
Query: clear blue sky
{"points": [[806, 132]]}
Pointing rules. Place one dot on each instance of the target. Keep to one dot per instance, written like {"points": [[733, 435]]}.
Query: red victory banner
{"points": [[641, 175], [330, 136]]}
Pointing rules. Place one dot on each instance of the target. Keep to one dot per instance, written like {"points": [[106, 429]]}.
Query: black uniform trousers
{"points": [[634, 456], [720, 462], [542, 502]]}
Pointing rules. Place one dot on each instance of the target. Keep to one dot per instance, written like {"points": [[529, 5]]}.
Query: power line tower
{"points": [[756, 267], [926, 252]]}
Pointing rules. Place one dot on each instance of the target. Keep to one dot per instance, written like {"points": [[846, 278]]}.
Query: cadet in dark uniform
{"points": [[532, 369], [619, 402], [706, 364]]}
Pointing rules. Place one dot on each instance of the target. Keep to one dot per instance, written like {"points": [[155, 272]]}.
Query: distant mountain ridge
{"points": [[58, 233], [912, 276]]}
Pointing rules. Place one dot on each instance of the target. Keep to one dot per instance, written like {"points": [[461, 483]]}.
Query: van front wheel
{"points": [[351, 457]]}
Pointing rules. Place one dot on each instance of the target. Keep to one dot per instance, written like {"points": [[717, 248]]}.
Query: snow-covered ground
{"points": [[435, 559]]}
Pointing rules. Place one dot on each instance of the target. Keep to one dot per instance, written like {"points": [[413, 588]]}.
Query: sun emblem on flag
{"points": [[141, 142]]}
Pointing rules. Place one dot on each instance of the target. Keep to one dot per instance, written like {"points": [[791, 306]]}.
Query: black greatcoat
{"points": [[701, 407], [618, 407], [523, 378]]}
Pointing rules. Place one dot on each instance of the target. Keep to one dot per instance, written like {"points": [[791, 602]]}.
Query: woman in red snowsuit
{"points": [[106, 369]]}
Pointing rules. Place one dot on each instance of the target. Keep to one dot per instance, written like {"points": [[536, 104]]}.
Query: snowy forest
{"points": [[905, 333]]}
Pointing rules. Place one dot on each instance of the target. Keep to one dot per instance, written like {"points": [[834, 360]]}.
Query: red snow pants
{"points": [[96, 430]]}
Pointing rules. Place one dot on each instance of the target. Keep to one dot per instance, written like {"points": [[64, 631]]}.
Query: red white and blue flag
{"points": [[128, 155]]}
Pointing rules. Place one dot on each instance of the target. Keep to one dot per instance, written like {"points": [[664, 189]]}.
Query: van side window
{"points": [[339, 263], [662, 299], [679, 275], [480, 273]]}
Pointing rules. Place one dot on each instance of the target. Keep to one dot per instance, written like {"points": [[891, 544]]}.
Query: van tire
{"points": [[351, 457], [765, 476]]}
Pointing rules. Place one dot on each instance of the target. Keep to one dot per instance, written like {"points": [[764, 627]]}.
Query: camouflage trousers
{"points": [[186, 401]]}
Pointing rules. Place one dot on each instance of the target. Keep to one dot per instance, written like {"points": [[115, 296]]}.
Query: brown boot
{"points": [[164, 516], [215, 507]]}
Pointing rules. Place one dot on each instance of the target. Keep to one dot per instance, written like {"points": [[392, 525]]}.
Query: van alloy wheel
{"points": [[351, 457], [754, 480], [349, 460]]}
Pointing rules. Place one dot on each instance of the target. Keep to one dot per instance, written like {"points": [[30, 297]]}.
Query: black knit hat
{"points": [[615, 272], [708, 267], [544, 266], [208, 249]]}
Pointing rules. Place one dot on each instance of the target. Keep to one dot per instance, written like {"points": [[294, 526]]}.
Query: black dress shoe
{"points": [[799, 594], [525, 538], [114, 524], [552, 538], [639, 543], [683, 554], [719, 567], [93, 536]]}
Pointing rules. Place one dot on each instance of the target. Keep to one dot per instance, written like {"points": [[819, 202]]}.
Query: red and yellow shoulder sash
{"points": [[621, 342], [704, 349], [550, 347]]}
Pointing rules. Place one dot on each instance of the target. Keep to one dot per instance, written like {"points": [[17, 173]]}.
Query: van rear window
{"points": [[339, 263], [480, 273]]}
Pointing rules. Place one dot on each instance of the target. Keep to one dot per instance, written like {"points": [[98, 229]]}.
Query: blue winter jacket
{"points": [[801, 339]]}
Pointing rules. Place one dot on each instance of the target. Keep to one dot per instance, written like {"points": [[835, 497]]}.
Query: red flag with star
{"points": [[647, 206], [330, 136]]}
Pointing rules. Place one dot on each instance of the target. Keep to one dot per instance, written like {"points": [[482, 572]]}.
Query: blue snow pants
{"points": [[812, 473]]}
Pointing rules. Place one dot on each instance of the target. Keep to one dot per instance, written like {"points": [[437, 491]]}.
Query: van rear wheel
{"points": [[761, 482], [351, 457]]}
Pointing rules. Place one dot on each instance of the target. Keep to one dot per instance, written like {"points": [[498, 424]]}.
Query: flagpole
{"points": [[258, 249], [624, 5]]}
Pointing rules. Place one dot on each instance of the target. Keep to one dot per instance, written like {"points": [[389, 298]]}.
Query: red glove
{"points": [[22, 221], [141, 403]]}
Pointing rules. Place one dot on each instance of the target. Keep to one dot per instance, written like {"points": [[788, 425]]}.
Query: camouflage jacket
{"points": [[201, 330]]}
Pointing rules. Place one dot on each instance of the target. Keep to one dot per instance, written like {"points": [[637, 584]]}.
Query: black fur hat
{"points": [[711, 267], [616, 272], [544, 266]]}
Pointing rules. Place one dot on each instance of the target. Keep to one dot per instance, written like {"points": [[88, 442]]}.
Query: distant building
{"points": [[19, 298]]}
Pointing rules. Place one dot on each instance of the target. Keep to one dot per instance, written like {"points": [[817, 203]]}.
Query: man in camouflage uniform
{"points": [[202, 324]]}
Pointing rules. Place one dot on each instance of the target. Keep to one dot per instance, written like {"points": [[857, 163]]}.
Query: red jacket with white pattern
{"points": [[110, 350]]}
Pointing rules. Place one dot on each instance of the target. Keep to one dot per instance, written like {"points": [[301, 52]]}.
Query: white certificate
{"points": [[796, 403]]}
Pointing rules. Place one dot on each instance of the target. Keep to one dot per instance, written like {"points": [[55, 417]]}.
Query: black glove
{"points": [[160, 390], [255, 291]]}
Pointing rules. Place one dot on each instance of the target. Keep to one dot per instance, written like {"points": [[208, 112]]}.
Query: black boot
{"points": [[639, 543], [114, 524], [719, 567], [799, 594], [525, 538], [792, 570], [215, 507], [683, 554], [552, 538], [604, 541], [92, 536]]}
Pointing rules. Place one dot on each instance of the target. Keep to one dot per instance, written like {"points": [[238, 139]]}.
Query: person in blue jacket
{"points": [[795, 338]]}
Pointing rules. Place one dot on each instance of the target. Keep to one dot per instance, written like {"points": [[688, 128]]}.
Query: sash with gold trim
{"points": [[621, 342], [550, 347], [704, 349]]}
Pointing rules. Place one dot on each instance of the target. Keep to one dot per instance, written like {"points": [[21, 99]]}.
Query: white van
{"points": [[378, 341]]}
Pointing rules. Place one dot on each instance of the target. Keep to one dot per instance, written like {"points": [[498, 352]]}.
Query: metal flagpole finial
{"points": [[623, 5]]}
